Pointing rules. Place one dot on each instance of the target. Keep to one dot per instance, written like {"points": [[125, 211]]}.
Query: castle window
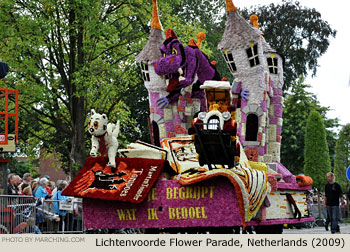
{"points": [[252, 127], [229, 61], [272, 64], [145, 72], [252, 53]]}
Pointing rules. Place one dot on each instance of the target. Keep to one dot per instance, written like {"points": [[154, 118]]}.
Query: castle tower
{"points": [[274, 101], [250, 59], [164, 122], [155, 84]]}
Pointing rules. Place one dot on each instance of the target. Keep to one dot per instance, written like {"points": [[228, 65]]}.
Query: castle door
{"points": [[252, 127], [155, 134]]}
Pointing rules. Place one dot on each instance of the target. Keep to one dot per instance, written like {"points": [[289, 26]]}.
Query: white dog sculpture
{"points": [[104, 135]]}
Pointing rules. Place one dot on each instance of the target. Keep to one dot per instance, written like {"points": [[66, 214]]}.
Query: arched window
{"points": [[230, 61], [272, 64], [253, 57], [252, 126], [145, 71], [155, 134]]}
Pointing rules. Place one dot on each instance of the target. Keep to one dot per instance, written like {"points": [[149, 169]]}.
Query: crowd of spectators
{"points": [[312, 204], [39, 187], [48, 195]]}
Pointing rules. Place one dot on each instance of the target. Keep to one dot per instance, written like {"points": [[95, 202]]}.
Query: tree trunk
{"points": [[77, 103], [77, 155]]}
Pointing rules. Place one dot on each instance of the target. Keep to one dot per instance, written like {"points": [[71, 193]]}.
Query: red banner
{"points": [[131, 181]]}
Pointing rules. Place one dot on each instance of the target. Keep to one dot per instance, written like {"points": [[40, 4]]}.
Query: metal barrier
{"points": [[27, 214], [17, 214], [68, 220], [315, 212], [323, 215]]}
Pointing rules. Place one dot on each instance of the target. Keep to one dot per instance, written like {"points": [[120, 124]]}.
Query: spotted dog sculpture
{"points": [[104, 137], [182, 65]]}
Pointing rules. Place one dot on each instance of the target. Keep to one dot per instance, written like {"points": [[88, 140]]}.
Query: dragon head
{"points": [[173, 59]]}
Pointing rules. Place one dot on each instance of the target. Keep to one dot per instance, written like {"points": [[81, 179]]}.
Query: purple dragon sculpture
{"points": [[181, 65]]}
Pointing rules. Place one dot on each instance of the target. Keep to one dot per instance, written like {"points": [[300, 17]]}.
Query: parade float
{"points": [[213, 164]]}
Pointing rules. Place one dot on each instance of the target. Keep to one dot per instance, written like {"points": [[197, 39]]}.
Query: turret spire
{"points": [[230, 6], [155, 18]]}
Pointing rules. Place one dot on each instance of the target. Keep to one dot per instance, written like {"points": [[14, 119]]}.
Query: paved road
{"points": [[344, 229]]}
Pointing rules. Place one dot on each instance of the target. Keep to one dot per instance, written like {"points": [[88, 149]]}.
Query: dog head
{"points": [[97, 124]]}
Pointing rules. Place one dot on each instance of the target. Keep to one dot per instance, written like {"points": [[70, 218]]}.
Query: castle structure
{"points": [[255, 66], [258, 68], [173, 120]]}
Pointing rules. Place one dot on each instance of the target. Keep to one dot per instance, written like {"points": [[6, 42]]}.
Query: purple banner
{"points": [[168, 204]]}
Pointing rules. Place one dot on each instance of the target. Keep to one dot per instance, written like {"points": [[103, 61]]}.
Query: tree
{"points": [[20, 168], [298, 105], [67, 57], [298, 33], [210, 16], [342, 157], [316, 154]]}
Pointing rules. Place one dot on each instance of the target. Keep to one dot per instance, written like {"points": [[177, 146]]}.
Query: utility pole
{"points": [[348, 192], [347, 201]]}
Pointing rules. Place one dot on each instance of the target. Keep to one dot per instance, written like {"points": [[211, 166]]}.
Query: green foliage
{"points": [[342, 157], [298, 105], [139, 111], [298, 33], [20, 168], [171, 16], [210, 16], [67, 57], [316, 153]]}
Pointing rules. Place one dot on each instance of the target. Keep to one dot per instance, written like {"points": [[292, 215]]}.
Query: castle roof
{"points": [[266, 47], [237, 32], [151, 51]]}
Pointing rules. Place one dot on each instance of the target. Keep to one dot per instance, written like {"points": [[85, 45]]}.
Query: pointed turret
{"points": [[230, 6], [155, 18], [156, 85], [254, 20], [251, 61], [274, 60], [237, 30], [151, 50]]}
